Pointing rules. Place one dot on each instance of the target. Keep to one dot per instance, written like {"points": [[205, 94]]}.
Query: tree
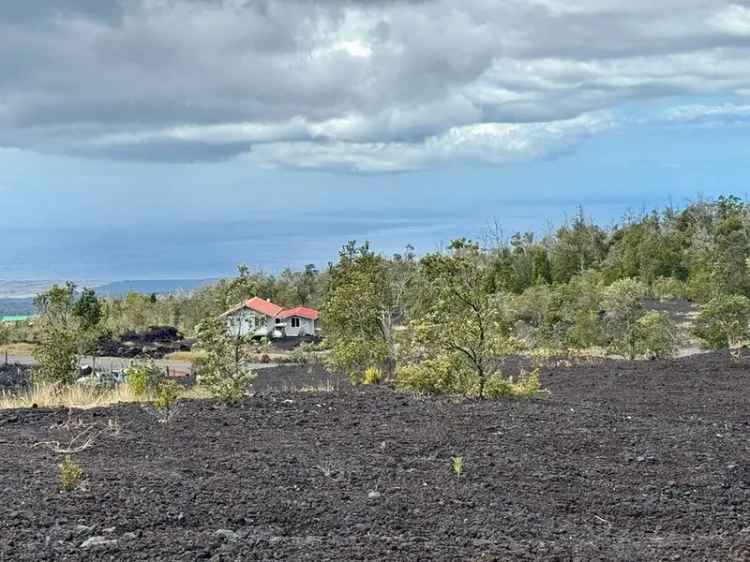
{"points": [[223, 370], [88, 310], [458, 330], [364, 303], [623, 307], [656, 335], [57, 352], [724, 322]]}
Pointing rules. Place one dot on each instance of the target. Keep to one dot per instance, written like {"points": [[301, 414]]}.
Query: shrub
{"points": [[165, 402], [70, 474], [438, 375], [223, 370], [457, 465], [724, 322], [528, 385], [656, 335], [141, 379], [623, 304], [669, 288], [372, 375], [57, 354]]}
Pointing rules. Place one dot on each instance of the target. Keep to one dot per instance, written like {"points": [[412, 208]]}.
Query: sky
{"points": [[158, 138]]}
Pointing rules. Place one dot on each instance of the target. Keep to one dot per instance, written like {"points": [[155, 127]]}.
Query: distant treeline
{"points": [[695, 252]]}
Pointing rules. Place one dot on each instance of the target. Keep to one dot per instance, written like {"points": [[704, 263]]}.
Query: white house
{"points": [[257, 317], [300, 321]]}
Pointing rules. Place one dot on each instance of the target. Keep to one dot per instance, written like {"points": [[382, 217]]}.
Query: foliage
{"points": [[724, 322], [57, 354], [165, 401], [579, 304], [623, 307], [457, 465], [223, 370], [656, 335], [528, 385], [669, 288], [88, 310], [140, 378], [372, 375], [70, 474], [364, 302], [303, 353], [456, 323]]}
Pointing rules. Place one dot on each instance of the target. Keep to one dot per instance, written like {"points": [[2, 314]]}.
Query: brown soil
{"points": [[624, 461]]}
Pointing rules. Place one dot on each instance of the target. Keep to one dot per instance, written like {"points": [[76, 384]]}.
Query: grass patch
{"points": [[186, 356], [18, 348], [82, 396]]}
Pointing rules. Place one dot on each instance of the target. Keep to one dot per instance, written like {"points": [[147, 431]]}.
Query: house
{"points": [[258, 317], [300, 321]]}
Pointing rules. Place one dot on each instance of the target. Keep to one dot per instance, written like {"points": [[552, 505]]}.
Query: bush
{"points": [[141, 379], [656, 335], [724, 321], [165, 402], [528, 385], [669, 288], [57, 354], [372, 375], [437, 377], [70, 474], [623, 305]]}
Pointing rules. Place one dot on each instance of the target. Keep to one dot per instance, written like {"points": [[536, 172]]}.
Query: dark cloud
{"points": [[213, 79]]}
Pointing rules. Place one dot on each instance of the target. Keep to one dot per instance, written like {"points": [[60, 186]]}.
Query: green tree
{"points": [[57, 352], [223, 369], [656, 335], [724, 322], [623, 306], [458, 330], [365, 301], [88, 310]]}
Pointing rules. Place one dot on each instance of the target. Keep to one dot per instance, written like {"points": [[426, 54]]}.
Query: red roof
{"points": [[273, 310], [264, 307], [302, 312]]}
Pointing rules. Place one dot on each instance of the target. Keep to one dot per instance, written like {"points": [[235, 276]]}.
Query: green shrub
{"points": [[669, 288], [656, 335], [457, 465], [70, 474], [138, 377], [724, 321], [439, 375], [372, 375], [165, 401]]}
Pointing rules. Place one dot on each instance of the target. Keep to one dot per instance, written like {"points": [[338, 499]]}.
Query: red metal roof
{"points": [[302, 312], [264, 307]]}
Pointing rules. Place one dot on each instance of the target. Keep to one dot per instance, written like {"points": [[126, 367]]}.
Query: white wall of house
{"points": [[298, 326], [246, 322]]}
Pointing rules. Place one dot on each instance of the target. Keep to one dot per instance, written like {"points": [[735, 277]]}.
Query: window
{"points": [[295, 322]]}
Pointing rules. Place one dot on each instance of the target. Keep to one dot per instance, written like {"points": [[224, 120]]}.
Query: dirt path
{"points": [[624, 461]]}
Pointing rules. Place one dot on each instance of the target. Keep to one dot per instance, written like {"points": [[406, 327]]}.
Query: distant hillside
{"points": [[160, 286]]}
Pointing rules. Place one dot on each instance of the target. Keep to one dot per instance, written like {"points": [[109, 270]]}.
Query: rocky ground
{"points": [[624, 461]]}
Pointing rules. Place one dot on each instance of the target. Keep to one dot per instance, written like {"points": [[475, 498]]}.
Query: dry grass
{"points": [[81, 396], [185, 356], [18, 349]]}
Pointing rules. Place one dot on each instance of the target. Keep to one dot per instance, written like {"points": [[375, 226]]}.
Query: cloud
{"points": [[357, 85], [727, 114], [490, 143]]}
